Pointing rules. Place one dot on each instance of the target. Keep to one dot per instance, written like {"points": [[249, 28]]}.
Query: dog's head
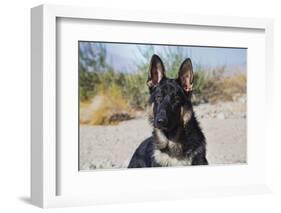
{"points": [[170, 104]]}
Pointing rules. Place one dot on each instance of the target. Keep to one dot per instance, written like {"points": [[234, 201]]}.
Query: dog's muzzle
{"points": [[161, 120]]}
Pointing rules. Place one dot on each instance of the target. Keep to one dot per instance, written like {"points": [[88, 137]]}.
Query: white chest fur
{"points": [[165, 160], [176, 157]]}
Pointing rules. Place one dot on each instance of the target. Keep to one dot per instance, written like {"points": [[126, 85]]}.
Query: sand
{"points": [[113, 146]]}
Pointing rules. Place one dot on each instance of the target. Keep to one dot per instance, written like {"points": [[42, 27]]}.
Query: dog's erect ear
{"points": [[156, 71], [185, 75]]}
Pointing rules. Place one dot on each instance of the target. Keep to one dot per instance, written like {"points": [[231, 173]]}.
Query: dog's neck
{"points": [[172, 135], [163, 139]]}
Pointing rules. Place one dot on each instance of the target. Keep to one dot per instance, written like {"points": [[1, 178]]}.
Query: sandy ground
{"points": [[113, 146]]}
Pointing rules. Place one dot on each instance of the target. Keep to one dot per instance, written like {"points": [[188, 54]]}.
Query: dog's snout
{"points": [[162, 119]]}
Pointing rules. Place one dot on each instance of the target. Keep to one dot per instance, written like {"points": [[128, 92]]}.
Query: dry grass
{"points": [[108, 107], [225, 89]]}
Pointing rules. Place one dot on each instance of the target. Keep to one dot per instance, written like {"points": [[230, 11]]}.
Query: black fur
{"points": [[177, 134]]}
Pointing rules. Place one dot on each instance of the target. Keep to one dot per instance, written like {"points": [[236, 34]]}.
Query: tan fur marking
{"points": [[175, 148], [175, 155], [186, 115], [165, 160], [149, 83], [161, 140]]}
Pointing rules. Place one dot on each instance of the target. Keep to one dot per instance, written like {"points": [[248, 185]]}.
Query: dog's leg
{"points": [[199, 159]]}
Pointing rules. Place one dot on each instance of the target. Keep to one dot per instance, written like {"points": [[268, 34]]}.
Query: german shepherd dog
{"points": [[177, 139]]}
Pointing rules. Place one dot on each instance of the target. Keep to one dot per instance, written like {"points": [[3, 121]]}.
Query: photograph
{"points": [[160, 105]]}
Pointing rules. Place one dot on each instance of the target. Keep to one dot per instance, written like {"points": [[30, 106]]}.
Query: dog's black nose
{"points": [[162, 122]]}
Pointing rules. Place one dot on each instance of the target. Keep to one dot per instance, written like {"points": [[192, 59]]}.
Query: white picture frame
{"points": [[45, 168]]}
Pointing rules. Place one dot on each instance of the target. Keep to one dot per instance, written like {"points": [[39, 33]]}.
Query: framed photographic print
{"points": [[130, 106]]}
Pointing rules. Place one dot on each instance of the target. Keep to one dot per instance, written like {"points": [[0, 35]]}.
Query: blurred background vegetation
{"points": [[108, 96]]}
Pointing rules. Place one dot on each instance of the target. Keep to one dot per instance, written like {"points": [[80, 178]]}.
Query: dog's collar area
{"points": [[172, 135], [166, 145], [165, 136]]}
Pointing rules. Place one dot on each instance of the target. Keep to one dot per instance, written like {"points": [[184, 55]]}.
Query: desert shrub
{"points": [[87, 84], [129, 90], [200, 82], [107, 107], [225, 89], [135, 90], [236, 84]]}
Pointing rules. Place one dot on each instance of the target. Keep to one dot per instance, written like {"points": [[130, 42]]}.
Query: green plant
{"points": [[200, 80]]}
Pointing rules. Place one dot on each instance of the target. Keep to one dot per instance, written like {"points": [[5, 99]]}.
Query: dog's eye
{"points": [[177, 99]]}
